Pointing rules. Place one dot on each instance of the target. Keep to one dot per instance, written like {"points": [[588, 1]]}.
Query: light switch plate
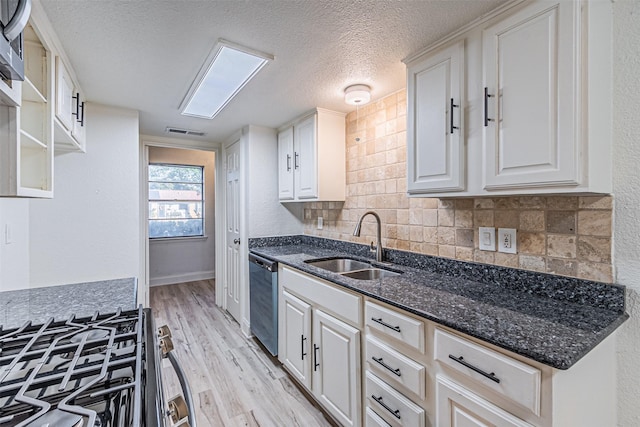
{"points": [[487, 237], [507, 241]]}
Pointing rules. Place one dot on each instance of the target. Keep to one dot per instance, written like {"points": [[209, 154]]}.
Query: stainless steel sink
{"points": [[370, 274], [339, 265]]}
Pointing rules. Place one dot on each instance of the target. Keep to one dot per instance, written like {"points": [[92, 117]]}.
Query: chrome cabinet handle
{"points": [[383, 323], [288, 162], [451, 126], [76, 97], [394, 412], [236, 241], [381, 362], [487, 95], [295, 160], [460, 360]]}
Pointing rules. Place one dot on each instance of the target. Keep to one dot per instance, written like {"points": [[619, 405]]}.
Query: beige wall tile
{"points": [[447, 251], [506, 218], [561, 246], [506, 203], [483, 218], [562, 202], [464, 254], [563, 267], [463, 218], [483, 203], [595, 271], [532, 221], [596, 249], [464, 237], [486, 257], [561, 222], [533, 263], [506, 260], [595, 202], [446, 236], [430, 217], [594, 223], [532, 243], [446, 217]]}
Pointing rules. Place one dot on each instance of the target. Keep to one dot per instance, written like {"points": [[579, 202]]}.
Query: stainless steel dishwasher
{"points": [[263, 301]]}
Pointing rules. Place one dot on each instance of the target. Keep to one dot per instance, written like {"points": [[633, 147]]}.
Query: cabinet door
{"points": [[435, 122], [295, 351], [532, 89], [336, 373], [458, 407], [285, 164], [64, 96], [305, 159]]}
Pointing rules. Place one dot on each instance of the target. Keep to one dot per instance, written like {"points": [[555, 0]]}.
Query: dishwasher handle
{"points": [[263, 262]]}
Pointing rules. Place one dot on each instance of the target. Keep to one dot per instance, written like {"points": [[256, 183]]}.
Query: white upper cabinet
{"points": [[70, 105], [530, 72], [311, 158], [435, 91], [537, 80], [26, 133], [305, 159], [285, 164]]}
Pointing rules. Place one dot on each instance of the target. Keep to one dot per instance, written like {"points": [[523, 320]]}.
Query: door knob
{"points": [[236, 241]]}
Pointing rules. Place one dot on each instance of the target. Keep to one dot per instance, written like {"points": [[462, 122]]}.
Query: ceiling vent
{"points": [[184, 131]]}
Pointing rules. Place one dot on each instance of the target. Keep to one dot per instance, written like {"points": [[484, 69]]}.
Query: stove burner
{"points": [[57, 418], [104, 366], [91, 334]]}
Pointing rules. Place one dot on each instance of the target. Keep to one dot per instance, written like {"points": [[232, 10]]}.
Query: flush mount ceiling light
{"points": [[226, 71], [357, 94]]}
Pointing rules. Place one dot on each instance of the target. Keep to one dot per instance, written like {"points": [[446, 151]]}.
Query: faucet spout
{"points": [[356, 233]]}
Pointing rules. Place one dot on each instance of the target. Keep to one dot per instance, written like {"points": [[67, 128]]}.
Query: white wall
{"points": [[266, 216], [626, 114], [14, 248], [183, 260], [90, 229]]}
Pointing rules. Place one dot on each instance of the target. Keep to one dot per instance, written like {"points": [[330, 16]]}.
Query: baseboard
{"points": [[245, 327], [181, 278]]}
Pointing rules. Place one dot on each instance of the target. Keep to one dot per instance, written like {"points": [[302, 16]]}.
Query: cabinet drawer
{"points": [[343, 304], [396, 325], [374, 420], [395, 367], [392, 405], [512, 379]]}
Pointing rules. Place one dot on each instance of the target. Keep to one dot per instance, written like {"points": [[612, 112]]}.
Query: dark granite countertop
{"points": [[60, 302], [551, 319]]}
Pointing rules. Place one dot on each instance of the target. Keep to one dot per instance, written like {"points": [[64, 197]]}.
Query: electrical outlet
{"points": [[487, 236], [507, 241], [320, 223]]}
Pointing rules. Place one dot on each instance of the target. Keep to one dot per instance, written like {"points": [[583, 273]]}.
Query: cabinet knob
{"points": [[236, 241]]}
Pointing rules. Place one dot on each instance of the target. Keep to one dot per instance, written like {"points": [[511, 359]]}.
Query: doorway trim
{"points": [[147, 141]]}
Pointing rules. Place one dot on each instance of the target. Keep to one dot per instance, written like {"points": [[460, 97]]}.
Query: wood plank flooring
{"points": [[233, 381]]}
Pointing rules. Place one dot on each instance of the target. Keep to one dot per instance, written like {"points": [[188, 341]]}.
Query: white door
{"points": [[336, 360], [305, 159], [295, 342], [285, 164], [529, 64], [435, 122], [458, 407], [232, 230]]}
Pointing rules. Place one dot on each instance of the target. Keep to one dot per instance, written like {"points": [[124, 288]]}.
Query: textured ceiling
{"points": [[144, 54]]}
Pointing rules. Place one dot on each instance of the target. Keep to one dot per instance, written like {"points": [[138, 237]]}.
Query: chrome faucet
{"points": [[356, 233]]}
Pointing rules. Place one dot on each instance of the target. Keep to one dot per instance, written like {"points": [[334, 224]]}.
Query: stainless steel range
{"points": [[95, 371]]}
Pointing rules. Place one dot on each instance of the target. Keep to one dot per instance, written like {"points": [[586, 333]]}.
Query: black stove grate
{"points": [[85, 371]]}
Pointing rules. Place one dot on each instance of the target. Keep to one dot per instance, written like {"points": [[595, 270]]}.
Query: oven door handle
{"points": [[184, 385]]}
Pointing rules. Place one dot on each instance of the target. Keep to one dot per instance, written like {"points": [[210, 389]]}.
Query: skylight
{"points": [[227, 70]]}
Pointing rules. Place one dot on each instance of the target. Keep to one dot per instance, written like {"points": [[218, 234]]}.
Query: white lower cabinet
{"points": [[318, 346], [414, 372]]}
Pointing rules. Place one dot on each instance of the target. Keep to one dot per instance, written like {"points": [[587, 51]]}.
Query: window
{"points": [[176, 201]]}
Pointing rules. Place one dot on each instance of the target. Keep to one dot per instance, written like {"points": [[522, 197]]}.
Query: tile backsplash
{"points": [[565, 235]]}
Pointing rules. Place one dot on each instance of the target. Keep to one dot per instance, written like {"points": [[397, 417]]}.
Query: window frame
{"points": [[202, 201]]}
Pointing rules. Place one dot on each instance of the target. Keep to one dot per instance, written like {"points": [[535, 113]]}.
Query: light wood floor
{"points": [[233, 381]]}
